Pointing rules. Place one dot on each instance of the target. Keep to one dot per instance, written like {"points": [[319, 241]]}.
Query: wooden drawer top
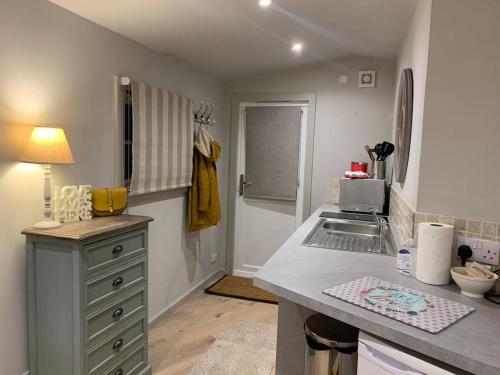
{"points": [[82, 230]]}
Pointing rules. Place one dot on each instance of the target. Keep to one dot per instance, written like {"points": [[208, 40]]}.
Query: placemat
{"points": [[418, 309]]}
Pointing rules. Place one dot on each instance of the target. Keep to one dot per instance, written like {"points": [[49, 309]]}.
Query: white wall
{"points": [[57, 68], [347, 117], [414, 54], [460, 152]]}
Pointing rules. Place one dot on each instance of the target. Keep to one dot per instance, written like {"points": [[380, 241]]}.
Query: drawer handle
{"points": [[119, 372], [117, 282], [117, 345], [117, 249], [117, 313]]}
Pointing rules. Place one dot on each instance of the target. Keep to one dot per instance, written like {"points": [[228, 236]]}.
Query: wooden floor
{"points": [[179, 340]]}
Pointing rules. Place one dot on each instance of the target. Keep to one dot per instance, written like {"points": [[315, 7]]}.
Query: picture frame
{"points": [[367, 78]]}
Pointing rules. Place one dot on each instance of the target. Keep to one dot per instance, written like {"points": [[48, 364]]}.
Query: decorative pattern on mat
{"points": [[244, 348], [409, 306]]}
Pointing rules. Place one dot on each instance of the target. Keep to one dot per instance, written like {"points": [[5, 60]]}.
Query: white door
{"points": [[271, 163]]}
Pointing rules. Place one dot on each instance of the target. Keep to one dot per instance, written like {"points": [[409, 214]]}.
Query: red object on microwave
{"points": [[358, 166]]}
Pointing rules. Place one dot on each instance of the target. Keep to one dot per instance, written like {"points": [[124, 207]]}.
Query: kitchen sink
{"points": [[359, 234], [350, 226]]}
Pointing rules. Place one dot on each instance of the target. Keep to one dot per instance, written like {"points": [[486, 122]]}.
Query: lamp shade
{"points": [[48, 146]]}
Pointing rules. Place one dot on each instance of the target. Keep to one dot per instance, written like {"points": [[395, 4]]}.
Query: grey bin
{"points": [[331, 346]]}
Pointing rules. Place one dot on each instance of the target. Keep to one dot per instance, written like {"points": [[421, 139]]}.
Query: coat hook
{"points": [[203, 118], [211, 111], [203, 114]]}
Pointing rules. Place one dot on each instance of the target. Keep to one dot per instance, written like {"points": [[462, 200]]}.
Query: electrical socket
{"points": [[483, 251], [213, 258]]}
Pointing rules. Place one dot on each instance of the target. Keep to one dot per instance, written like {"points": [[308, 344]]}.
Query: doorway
{"points": [[272, 196]]}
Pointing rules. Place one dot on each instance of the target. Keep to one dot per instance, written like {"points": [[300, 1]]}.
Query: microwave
{"points": [[359, 195]]}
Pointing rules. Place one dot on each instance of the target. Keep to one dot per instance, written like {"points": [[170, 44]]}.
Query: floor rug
{"points": [[241, 287], [244, 348]]}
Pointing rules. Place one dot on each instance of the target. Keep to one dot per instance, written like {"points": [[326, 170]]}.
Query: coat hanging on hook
{"points": [[203, 199]]}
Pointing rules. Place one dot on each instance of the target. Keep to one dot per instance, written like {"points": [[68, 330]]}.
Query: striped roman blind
{"points": [[162, 147]]}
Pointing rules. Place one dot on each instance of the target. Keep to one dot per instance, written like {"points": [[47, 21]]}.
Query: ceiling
{"points": [[233, 38]]}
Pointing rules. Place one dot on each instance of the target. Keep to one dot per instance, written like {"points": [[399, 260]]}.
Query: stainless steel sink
{"points": [[350, 226], [349, 235]]}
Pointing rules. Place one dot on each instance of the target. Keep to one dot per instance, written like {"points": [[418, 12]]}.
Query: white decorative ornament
{"points": [[85, 197], [72, 203], [343, 79]]}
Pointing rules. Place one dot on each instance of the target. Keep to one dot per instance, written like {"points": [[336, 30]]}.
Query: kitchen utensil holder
{"points": [[379, 170]]}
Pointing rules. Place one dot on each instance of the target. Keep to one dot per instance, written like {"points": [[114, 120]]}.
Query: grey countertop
{"points": [[300, 274]]}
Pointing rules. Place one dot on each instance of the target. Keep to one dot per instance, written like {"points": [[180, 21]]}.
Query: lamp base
{"points": [[47, 224]]}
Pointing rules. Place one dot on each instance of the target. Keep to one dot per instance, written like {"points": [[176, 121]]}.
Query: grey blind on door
{"points": [[272, 152]]}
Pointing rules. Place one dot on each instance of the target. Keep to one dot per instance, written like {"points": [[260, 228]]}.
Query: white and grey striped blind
{"points": [[162, 149]]}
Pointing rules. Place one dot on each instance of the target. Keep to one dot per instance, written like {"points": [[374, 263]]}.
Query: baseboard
{"points": [[146, 371], [205, 283], [241, 273]]}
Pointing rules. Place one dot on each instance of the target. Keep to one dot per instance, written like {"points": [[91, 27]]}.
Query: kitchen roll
{"points": [[434, 253]]}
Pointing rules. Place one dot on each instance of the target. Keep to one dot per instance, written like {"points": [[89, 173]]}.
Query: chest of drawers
{"points": [[87, 297]]}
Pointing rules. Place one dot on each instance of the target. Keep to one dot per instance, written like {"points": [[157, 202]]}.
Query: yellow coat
{"points": [[203, 200]]}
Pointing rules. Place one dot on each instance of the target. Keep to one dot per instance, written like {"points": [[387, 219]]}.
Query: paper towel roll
{"points": [[434, 253]]}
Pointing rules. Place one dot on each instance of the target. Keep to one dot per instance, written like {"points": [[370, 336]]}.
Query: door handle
{"points": [[243, 184], [391, 366]]}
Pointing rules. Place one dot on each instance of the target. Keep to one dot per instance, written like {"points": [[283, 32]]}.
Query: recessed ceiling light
{"points": [[264, 3], [297, 47]]}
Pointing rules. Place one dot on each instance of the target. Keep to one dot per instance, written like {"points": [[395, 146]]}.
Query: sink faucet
{"points": [[376, 219], [380, 222], [383, 230]]}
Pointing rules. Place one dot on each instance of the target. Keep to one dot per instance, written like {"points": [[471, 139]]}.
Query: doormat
{"points": [[242, 288], [418, 309]]}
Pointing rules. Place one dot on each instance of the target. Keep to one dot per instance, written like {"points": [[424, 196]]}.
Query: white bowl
{"points": [[474, 287]]}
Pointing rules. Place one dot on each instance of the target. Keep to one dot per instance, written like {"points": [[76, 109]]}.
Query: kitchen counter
{"points": [[299, 274]]}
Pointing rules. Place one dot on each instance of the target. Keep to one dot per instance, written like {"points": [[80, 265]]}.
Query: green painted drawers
{"points": [[132, 364], [104, 253], [88, 297], [103, 321], [115, 281], [116, 347]]}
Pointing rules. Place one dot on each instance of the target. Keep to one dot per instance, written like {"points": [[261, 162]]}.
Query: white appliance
{"points": [[378, 358]]}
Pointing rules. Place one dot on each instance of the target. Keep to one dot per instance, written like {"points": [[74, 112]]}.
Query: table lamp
{"points": [[47, 146]]}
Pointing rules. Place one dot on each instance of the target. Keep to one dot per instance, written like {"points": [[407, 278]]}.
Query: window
{"points": [[156, 148], [127, 134]]}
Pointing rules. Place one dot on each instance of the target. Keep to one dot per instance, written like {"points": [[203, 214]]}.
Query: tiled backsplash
{"points": [[333, 190], [404, 222], [402, 217], [463, 227]]}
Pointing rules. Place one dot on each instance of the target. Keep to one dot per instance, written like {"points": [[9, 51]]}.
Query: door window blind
{"points": [[272, 152], [162, 148]]}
